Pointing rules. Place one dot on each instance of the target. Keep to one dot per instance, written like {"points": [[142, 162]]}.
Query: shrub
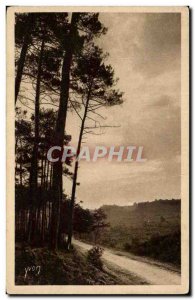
{"points": [[165, 248], [94, 256]]}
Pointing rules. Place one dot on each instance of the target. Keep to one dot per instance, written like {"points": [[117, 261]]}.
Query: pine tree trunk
{"points": [[34, 164], [59, 133], [47, 176], [21, 173], [23, 53], [51, 177], [74, 184]]}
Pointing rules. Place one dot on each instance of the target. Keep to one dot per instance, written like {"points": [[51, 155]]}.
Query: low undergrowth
{"points": [[40, 266]]}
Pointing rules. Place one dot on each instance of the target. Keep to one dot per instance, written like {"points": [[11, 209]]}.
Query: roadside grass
{"points": [[59, 268]]}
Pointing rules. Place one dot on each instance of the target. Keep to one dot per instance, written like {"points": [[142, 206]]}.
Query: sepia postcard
{"points": [[97, 150]]}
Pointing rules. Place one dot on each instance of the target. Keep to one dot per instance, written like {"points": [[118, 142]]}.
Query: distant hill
{"points": [[148, 229], [140, 214]]}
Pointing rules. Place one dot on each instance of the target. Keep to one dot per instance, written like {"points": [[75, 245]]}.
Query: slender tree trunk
{"points": [[47, 176], [21, 173], [43, 222], [25, 222], [42, 172], [51, 177], [23, 53], [59, 133], [34, 164], [74, 184], [49, 217]]}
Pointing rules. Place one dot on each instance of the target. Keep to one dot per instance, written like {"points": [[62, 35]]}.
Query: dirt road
{"points": [[150, 273]]}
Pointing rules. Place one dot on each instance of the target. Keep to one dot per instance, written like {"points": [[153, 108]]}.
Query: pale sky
{"points": [[145, 54]]}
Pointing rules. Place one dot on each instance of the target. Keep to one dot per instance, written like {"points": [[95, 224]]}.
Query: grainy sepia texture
{"points": [[98, 198]]}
